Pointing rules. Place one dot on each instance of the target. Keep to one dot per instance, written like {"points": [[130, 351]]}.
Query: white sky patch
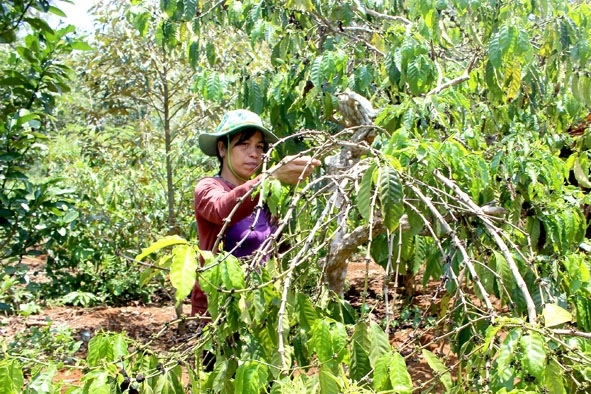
{"points": [[76, 14]]}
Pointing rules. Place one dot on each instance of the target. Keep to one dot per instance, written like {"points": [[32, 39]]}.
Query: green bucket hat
{"points": [[231, 123]]}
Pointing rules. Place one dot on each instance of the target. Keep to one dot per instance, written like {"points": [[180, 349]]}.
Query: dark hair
{"points": [[244, 134]]}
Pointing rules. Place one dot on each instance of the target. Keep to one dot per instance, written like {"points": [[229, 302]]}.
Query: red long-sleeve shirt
{"points": [[215, 198]]}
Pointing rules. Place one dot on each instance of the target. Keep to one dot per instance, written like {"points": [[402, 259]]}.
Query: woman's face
{"points": [[245, 157]]}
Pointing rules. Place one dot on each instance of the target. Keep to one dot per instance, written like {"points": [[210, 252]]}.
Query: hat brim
{"points": [[208, 141]]}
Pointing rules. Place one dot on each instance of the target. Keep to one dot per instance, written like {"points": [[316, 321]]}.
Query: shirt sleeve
{"points": [[215, 200]]}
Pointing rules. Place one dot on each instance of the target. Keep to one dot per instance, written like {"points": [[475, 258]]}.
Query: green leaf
{"points": [[364, 196], [232, 273], [190, 9], [583, 306], [26, 118], [440, 368], [391, 197], [360, 365], [182, 271], [300, 5], [70, 216], [379, 343], [250, 377], [10, 156], [328, 382], [56, 11], [11, 377], [305, 312], [82, 46], [119, 344], [554, 378], [39, 24], [554, 315], [99, 350], [494, 52], [507, 354], [160, 244], [381, 377], [533, 355], [400, 378], [329, 340], [43, 381]]}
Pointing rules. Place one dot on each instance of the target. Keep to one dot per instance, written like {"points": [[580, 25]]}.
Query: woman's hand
{"points": [[294, 169]]}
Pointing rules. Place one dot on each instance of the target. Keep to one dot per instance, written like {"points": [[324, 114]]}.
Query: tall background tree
{"points": [[33, 76], [138, 76]]}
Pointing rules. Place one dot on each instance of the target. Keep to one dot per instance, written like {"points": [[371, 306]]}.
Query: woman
{"points": [[239, 143]]}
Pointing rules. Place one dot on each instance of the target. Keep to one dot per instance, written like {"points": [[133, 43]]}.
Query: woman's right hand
{"points": [[294, 169]]}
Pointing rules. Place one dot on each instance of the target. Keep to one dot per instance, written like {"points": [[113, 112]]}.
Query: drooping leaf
{"points": [[328, 382], [495, 55], [580, 174], [533, 357], [120, 345], [316, 72], [364, 196], [232, 273], [514, 72], [379, 343], [99, 350], [360, 365], [554, 378], [250, 377], [381, 377], [329, 340], [391, 197], [306, 313], [182, 271], [438, 367], [399, 376], [213, 86], [190, 9], [301, 5], [194, 52], [507, 353], [505, 280]]}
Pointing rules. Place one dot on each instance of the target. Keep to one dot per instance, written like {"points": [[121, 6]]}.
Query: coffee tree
{"points": [[455, 144]]}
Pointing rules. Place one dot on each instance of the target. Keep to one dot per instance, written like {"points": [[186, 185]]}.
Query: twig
{"points": [[456, 81], [494, 232]]}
